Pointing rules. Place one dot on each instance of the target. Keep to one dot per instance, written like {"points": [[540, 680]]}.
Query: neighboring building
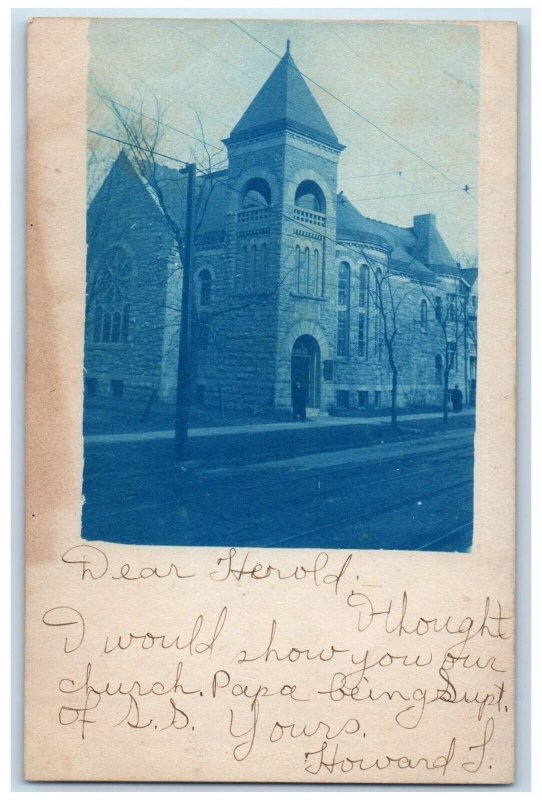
{"points": [[286, 271]]}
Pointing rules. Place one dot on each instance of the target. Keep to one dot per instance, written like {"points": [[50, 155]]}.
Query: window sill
{"points": [[251, 292], [299, 296]]}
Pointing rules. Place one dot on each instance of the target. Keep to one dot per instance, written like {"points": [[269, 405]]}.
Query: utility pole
{"points": [[465, 346], [184, 369]]}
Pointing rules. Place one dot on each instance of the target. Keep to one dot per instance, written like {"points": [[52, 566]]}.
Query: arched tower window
{"points": [[310, 197], [255, 194], [307, 289], [205, 286], [317, 277], [300, 270], [343, 309], [111, 303]]}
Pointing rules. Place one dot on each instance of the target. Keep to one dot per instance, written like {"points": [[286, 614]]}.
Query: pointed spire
{"points": [[285, 102]]}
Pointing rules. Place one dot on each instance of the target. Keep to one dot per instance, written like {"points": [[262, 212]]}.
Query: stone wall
{"points": [[244, 334], [136, 226]]}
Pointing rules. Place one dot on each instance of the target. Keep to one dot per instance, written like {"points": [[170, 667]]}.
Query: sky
{"points": [[403, 99]]}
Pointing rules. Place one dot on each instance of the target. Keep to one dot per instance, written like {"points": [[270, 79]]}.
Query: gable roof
{"points": [[285, 102]]}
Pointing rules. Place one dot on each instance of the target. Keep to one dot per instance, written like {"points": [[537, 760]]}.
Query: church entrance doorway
{"points": [[306, 368]]}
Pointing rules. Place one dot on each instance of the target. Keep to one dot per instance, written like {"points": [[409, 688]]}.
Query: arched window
{"points": [[363, 320], [112, 309], [310, 197], [438, 309], [438, 369], [451, 307], [423, 315], [363, 286], [377, 334], [378, 314], [317, 279], [344, 284], [125, 322], [205, 285], [256, 194], [115, 330], [307, 289], [362, 324], [301, 270], [343, 310]]}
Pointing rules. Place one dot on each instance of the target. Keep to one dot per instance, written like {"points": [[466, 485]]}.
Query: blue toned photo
{"points": [[282, 294]]}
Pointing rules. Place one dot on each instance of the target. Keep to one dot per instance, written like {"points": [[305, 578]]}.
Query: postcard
{"points": [[270, 401]]}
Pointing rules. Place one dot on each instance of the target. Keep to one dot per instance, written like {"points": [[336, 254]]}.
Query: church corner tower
{"points": [[283, 158]]}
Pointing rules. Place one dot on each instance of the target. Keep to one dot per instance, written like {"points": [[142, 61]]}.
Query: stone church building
{"points": [[291, 281]]}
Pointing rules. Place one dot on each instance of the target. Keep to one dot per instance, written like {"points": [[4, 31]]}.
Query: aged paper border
{"points": [[56, 292]]}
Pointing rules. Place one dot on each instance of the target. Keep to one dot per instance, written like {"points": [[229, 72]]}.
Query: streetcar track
{"points": [[324, 469], [366, 515], [459, 528], [294, 480], [99, 473], [262, 485]]}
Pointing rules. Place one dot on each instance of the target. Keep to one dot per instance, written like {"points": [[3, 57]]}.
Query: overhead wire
{"points": [[242, 72], [389, 83], [282, 214], [353, 110]]}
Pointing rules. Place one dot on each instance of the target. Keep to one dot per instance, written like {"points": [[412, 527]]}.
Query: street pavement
{"points": [[411, 493]]}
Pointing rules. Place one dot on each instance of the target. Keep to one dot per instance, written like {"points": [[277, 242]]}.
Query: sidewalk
{"points": [[265, 427]]}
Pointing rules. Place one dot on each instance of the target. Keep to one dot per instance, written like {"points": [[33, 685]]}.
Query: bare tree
{"points": [[141, 135], [140, 132], [390, 294], [450, 321]]}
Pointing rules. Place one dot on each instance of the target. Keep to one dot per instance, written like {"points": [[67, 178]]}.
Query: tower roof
{"points": [[284, 102]]}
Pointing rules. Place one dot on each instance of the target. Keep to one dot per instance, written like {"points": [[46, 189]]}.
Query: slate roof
{"points": [[285, 102], [352, 225]]}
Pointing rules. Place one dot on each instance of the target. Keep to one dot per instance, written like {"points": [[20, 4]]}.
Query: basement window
{"points": [[342, 398]]}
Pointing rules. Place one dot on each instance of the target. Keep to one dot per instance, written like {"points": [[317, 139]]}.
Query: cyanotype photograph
{"points": [[282, 284]]}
